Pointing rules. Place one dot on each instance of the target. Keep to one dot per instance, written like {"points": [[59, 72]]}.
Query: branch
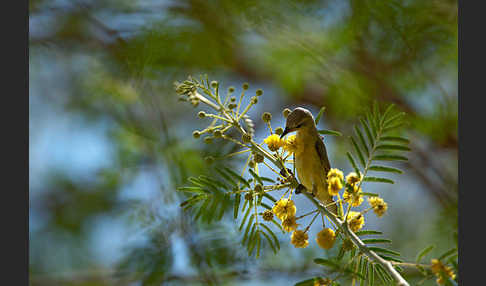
{"points": [[362, 247], [388, 266]]}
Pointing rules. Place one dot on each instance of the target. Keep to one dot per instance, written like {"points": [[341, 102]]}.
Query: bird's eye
{"points": [[300, 125]]}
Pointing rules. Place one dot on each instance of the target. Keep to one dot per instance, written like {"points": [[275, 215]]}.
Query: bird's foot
{"points": [[286, 173], [300, 188]]}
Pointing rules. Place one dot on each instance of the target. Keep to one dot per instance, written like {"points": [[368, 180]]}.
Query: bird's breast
{"points": [[307, 165]]}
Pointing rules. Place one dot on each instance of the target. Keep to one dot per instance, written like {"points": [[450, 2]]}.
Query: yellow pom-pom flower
{"points": [[284, 208], [299, 239], [326, 238], [274, 142], [334, 185], [292, 145], [355, 199], [355, 221], [335, 173], [379, 206], [353, 178], [440, 270], [322, 282], [289, 224]]}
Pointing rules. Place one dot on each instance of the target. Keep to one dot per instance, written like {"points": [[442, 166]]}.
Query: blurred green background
{"points": [[109, 142]]}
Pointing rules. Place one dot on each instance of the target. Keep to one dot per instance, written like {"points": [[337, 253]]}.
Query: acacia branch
{"points": [[388, 266]]}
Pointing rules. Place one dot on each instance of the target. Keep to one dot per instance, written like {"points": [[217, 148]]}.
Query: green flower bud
{"points": [[249, 196], [267, 215], [218, 133], [201, 114], [348, 245], [231, 89], [245, 86], [279, 130], [196, 134], [208, 140], [259, 92], [266, 117], [258, 158], [286, 112], [258, 188], [233, 99], [214, 84], [246, 138], [195, 102], [254, 100], [209, 160], [251, 164], [232, 105]]}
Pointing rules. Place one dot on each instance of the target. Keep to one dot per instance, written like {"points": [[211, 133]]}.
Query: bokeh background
{"points": [[109, 142]]}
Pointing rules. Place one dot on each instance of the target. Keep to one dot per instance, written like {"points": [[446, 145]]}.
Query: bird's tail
{"points": [[327, 200], [331, 205]]}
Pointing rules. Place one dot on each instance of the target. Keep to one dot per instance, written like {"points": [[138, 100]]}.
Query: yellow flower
{"points": [[322, 282], [289, 224], [355, 221], [440, 270], [291, 145], [326, 238], [355, 199], [352, 178], [334, 172], [334, 186], [274, 142], [379, 206], [284, 208], [299, 239], [436, 266]]}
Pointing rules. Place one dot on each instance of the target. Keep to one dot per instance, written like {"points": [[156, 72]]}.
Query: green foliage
{"points": [[336, 266], [448, 253], [211, 198], [209, 201], [329, 132], [424, 252], [378, 127], [117, 70]]}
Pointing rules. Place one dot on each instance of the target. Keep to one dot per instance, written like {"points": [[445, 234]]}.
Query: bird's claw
{"points": [[299, 189], [285, 173]]}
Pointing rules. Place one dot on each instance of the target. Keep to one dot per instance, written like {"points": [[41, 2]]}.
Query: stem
{"points": [[236, 153], [408, 264], [312, 221], [304, 215], [218, 117], [205, 100], [239, 102], [388, 266], [270, 127], [245, 111]]}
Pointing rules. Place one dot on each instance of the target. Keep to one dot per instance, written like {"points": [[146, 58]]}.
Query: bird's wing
{"points": [[321, 151]]}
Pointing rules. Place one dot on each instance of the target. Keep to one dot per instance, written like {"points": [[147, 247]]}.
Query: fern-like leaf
{"points": [[379, 146]]}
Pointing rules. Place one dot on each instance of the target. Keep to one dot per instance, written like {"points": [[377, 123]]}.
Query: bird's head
{"points": [[298, 119]]}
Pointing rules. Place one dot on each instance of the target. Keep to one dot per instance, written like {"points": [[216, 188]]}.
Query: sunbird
{"points": [[311, 161]]}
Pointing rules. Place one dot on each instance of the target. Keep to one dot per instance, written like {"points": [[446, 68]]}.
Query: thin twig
{"points": [[388, 266]]}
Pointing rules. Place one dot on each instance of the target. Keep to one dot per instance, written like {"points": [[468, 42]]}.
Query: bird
{"points": [[311, 160]]}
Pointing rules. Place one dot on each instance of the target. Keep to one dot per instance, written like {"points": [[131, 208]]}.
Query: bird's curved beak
{"points": [[286, 131]]}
